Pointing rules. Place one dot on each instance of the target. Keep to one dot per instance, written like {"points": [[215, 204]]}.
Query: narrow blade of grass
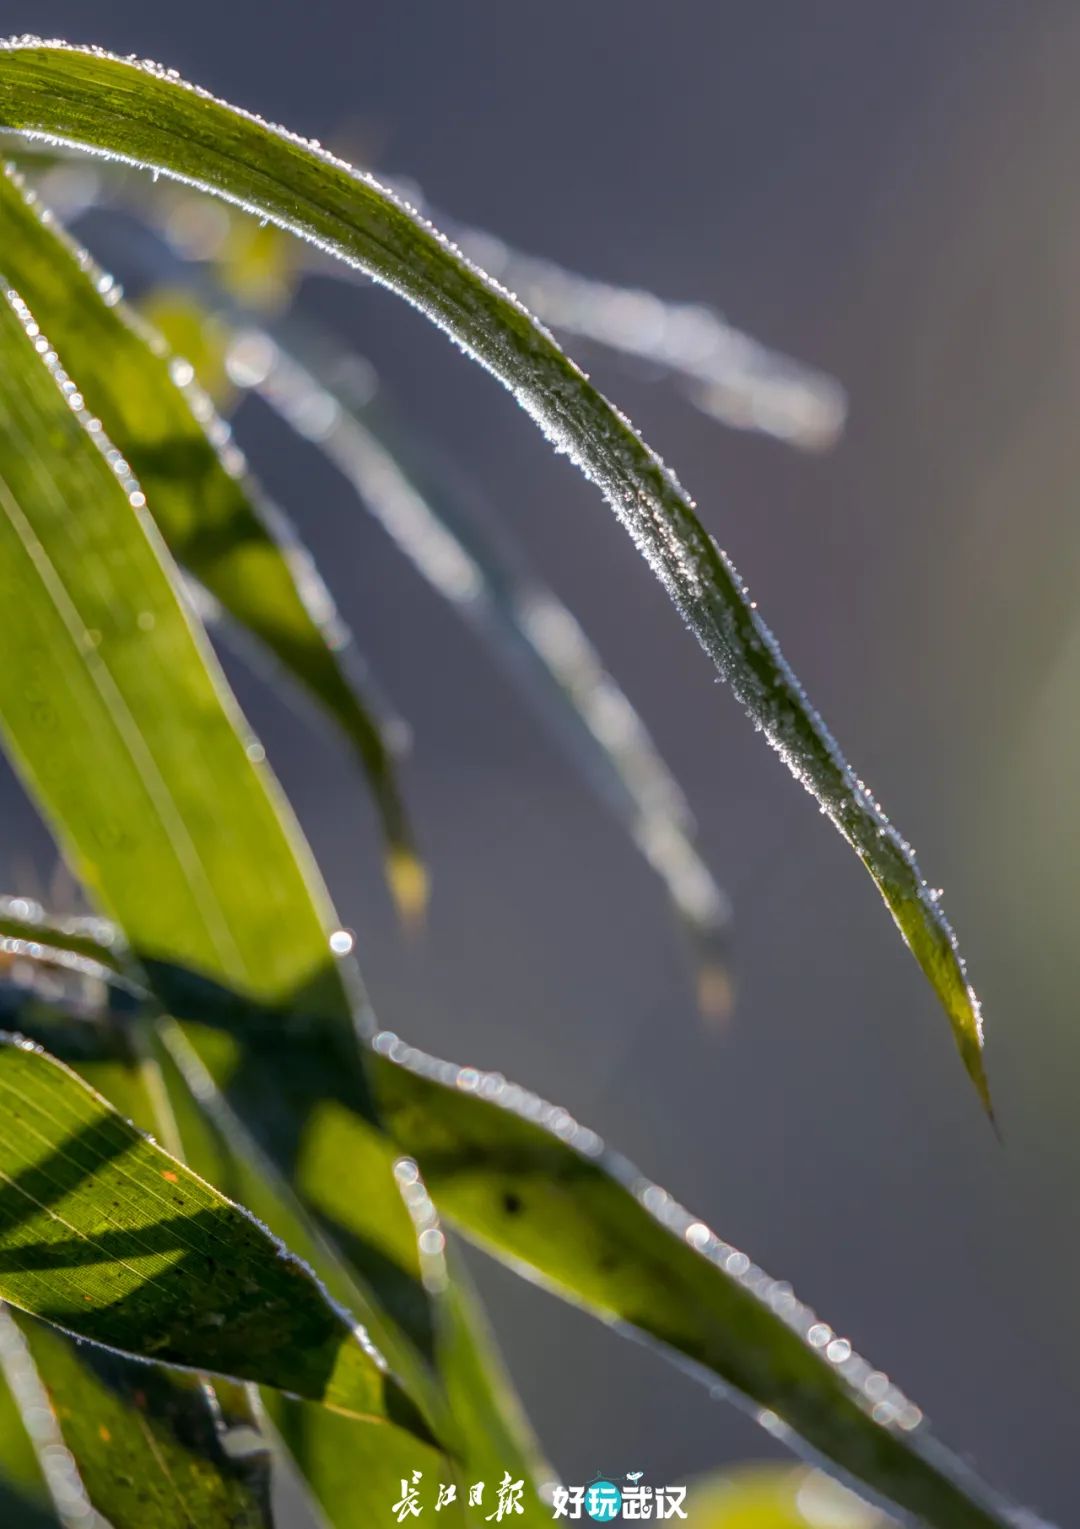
{"points": [[140, 113], [23, 918]]}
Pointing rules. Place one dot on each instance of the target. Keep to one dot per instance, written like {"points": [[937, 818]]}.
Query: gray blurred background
{"points": [[887, 191]]}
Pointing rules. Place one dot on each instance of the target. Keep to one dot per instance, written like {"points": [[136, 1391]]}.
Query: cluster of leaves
{"points": [[200, 1053]]}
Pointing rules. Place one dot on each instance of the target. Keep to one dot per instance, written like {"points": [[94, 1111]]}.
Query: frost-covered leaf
{"points": [[533, 1187], [207, 507], [144, 115], [726, 373], [102, 1233]]}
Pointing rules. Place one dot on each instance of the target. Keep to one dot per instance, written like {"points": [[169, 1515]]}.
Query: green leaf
{"points": [[353, 1467], [205, 505], [141, 114], [525, 1181], [104, 1234], [151, 1446], [425, 1332], [177, 796]]}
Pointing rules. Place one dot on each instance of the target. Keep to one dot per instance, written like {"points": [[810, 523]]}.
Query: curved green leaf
{"points": [[102, 1233], [524, 1180], [140, 113], [207, 509]]}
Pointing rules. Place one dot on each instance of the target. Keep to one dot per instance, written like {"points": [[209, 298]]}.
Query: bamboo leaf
{"points": [[208, 509], [104, 1234], [140, 113]]}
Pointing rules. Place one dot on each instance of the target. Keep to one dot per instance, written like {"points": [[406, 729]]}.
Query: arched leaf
{"points": [[141, 113]]}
